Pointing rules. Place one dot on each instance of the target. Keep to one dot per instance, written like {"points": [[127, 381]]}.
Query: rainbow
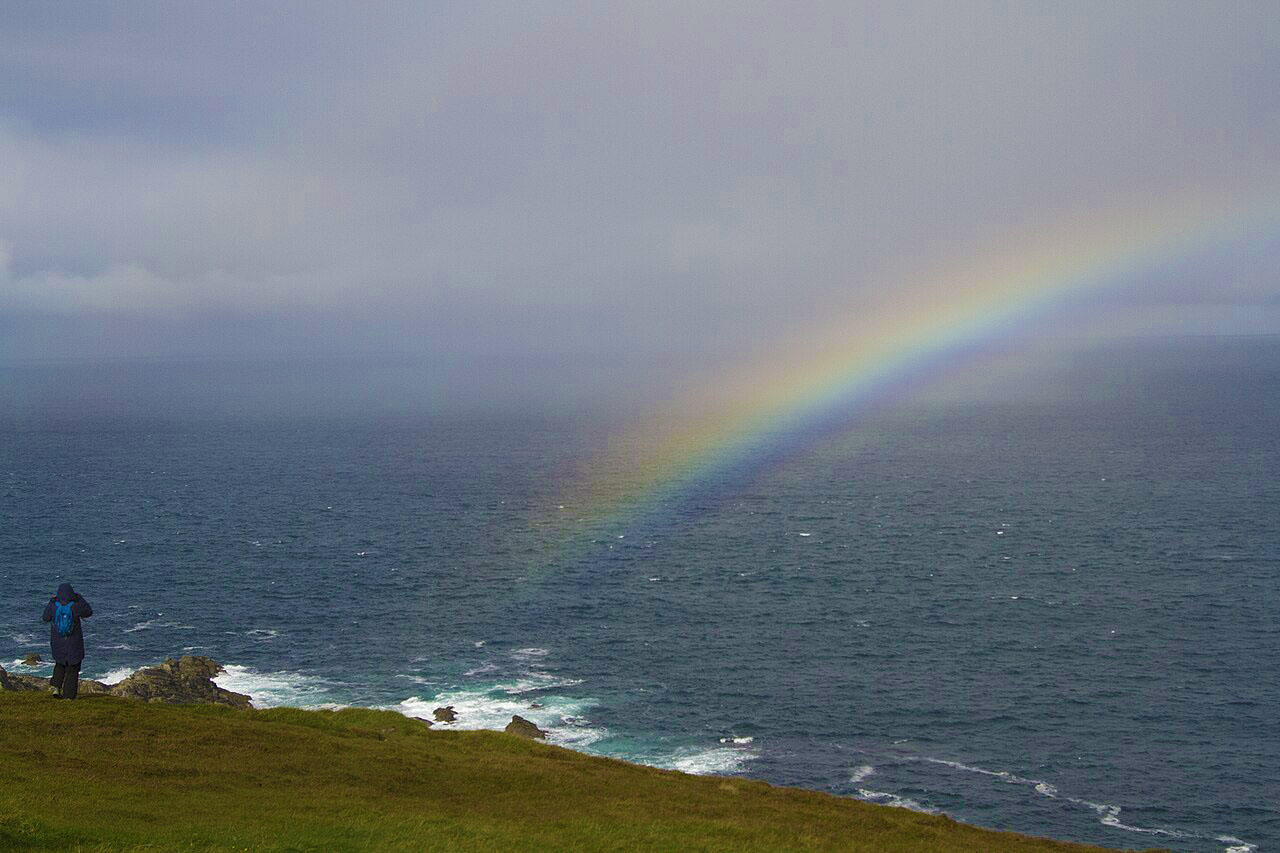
{"points": [[731, 426]]}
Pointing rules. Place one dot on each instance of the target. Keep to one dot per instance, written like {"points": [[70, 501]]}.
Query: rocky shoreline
{"points": [[185, 680], [189, 680]]}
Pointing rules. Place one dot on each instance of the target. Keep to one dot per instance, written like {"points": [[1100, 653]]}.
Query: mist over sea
{"points": [[1049, 608]]}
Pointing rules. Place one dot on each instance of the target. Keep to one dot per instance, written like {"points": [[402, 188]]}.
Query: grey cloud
{"points": [[545, 181]]}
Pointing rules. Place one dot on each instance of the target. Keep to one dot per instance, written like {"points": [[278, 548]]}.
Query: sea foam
{"points": [[885, 798], [1108, 814], [861, 773], [492, 706], [115, 676], [702, 761], [274, 689]]}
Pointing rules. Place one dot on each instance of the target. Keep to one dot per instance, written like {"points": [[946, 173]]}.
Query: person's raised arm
{"points": [[85, 611], [48, 612]]}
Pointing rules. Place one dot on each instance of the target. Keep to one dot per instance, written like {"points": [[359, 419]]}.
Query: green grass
{"points": [[108, 774]]}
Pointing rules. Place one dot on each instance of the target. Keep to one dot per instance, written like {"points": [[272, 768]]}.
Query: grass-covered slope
{"points": [[107, 773]]}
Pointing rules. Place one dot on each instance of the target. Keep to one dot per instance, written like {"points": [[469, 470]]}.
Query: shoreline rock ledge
{"points": [[185, 680], [188, 679], [19, 683]]}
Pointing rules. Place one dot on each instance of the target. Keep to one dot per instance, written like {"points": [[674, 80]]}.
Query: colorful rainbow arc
{"points": [[745, 419]]}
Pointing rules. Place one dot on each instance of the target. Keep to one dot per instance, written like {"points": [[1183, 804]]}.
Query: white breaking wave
{"points": [[416, 679], [861, 773], [539, 681], [262, 634], [492, 707], [999, 774], [115, 676], [274, 689], [152, 623], [894, 800], [702, 761], [23, 639], [1108, 815]]}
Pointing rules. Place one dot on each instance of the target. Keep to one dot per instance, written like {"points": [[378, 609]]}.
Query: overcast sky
{"points": [[507, 186]]}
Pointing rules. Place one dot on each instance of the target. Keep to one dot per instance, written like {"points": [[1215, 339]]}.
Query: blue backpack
{"points": [[64, 621]]}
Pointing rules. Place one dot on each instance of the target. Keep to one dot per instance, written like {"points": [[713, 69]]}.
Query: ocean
{"points": [[1048, 608]]}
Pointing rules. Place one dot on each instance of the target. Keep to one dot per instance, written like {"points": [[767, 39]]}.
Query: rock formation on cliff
{"points": [[189, 679], [523, 728]]}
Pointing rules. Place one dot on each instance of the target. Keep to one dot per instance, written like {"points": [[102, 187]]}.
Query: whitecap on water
{"points": [[492, 707], [702, 761], [416, 679], [115, 676], [273, 689], [23, 639], [539, 681], [155, 623], [1108, 815], [861, 773], [885, 798]]}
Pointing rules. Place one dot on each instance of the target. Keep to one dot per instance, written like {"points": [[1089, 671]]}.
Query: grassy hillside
{"points": [[105, 774]]}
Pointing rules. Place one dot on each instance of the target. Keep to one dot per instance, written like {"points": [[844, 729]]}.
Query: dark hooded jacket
{"points": [[68, 649]]}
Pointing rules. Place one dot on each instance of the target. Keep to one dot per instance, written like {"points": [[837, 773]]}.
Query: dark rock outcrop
{"points": [[445, 714], [424, 721], [32, 659], [187, 680], [521, 727], [39, 684], [10, 682]]}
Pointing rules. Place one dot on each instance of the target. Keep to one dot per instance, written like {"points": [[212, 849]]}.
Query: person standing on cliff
{"points": [[66, 639]]}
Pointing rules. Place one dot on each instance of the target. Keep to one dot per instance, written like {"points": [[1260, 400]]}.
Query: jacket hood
{"points": [[66, 593]]}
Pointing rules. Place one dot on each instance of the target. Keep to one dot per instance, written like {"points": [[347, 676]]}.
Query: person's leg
{"points": [[71, 684], [59, 672]]}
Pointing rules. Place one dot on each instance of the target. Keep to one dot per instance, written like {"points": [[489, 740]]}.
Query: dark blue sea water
{"points": [[1051, 610]]}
